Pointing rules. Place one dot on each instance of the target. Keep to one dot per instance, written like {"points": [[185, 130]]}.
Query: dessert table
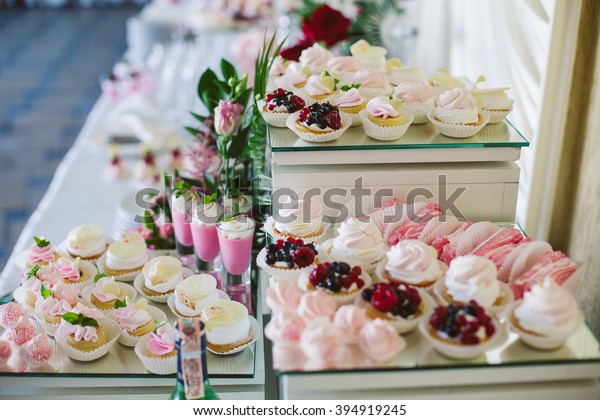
{"points": [[81, 193]]}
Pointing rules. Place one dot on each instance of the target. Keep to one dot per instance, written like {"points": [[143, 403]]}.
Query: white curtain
{"points": [[432, 49]]}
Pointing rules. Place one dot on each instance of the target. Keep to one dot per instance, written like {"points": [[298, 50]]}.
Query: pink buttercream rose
{"points": [[66, 292], [162, 341], [52, 306], [380, 107], [130, 318], [456, 99], [41, 254], [78, 332], [50, 274], [68, 271], [349, 99], [228, 117]]}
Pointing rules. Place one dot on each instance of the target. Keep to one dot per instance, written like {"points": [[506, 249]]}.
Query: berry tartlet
{"points": [[402, 305], [337, 279], [462, 331], [288, 259], [278, 105], [319, 122]]}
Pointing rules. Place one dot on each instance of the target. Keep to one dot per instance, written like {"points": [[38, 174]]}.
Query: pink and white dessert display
{"points": [[547, 316], [283, 296], [157, 351], [136, 320], [351, 102], [417, 98], [379, 340], [411, 262]]}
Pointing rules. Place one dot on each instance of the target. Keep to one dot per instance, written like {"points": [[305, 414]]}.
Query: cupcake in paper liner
{"points": [[320, 88], [288, 259], [159, 277], [279, 105], [78, 273], [351, 102], [337, 279], [276, 234], [105, 292], [86, 241], [456, 114], [311, 127], [343, 68], [493, 102], [385, 133], [137, 320], [300, 218], [417, 98], [157, 351], [373, 83], [125, 258], [458, 130], [108, 334], [495, 116], [193, 294], [53, 303]]}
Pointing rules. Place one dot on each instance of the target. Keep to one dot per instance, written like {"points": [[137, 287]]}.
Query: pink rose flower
{"points": [[166, 230], [228, 117]]}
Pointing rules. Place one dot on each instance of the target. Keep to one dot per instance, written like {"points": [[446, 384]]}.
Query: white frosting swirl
{"points": [[296, 74], [381, 107], [349, 99], [413, 262], [315, 57], [314, 87], [358, 243], [86, 240], [237, 228], [126, 263], [162, 274], [548, 309], [306, 217], [473, 278]]}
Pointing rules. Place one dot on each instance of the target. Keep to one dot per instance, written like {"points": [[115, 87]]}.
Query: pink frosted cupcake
{"points": [[372, 84], [320, 87], [385, 119], [76, 272], [157, 351], [33, 279], [456, 114], [41, 253], [11, 313], [315, 58], [351, 102], [53, 303], [322, 344], [136, 320], [350, 320], [417, 98], [5, 354], [316, 305], [379, 340], [37, 353], [283, 295]]}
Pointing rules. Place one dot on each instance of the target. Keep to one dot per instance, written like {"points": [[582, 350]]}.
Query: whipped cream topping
{"points": [[343, 65], [237, 228], [315, 87], [372, 79], [227, 322], [162, 274], [133, 316], [285, 327], [493, 99], [317, 304], [457, 106], [305, 218], [78, 332], [66, 292], [105, 290], [86, 240], [315, 57], [380, 340], [69, 270], [52, 306], [413, 262], [278, 68], [473, 278], [350, 319], [127, 253], [283, 295], [414, 92], [207, 214], [548, 309], [358, 243], [49, 274], [296, 74], [349, 99], [41, 254], [380, 107], [162, 341]]}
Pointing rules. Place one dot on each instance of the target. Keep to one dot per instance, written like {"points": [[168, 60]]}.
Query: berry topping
{"points": [[287, 99], [336, 277], [465, 323], [322, 115], [291, 253], [402, 300]]}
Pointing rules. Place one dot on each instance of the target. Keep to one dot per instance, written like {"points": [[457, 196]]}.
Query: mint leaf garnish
{"points": [[33, 271], [207, 199], [41, 242], [346, 88], [120, 304], [89, 322], [73, 318], [46, 293], [99, 276]]}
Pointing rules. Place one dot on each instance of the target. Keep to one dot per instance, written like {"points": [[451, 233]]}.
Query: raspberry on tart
{"points": [[319, 118], [389, 301], [336, 277], [283, 101], [461, 324], [289, 254]]}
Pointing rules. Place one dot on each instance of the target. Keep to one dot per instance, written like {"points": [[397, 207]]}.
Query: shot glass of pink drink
{"points": [[205, 236], [181, 213]]}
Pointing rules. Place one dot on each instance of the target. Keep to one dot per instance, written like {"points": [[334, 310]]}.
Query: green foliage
{"points": [[367, 24], [99, 276]]}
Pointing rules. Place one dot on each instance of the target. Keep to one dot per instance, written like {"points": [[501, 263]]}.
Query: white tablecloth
{"points": [[80, 192]]}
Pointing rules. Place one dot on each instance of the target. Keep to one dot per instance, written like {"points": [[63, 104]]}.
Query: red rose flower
{"points": [[293, 53], [326, 25]]}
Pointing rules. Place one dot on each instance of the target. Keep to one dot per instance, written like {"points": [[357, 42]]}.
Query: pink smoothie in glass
{"points": [[236, 253], [183, 232], [206, 241]]}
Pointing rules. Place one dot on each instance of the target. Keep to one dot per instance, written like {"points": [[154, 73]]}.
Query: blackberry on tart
{"points": [[319, 118], [283, 101], [338, 279], [290, 254], [392, 302], [466, 324]]}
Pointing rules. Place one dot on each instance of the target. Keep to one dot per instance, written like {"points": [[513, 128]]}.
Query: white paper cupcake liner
{"points": [[320, 138], [62, 248], [269, 228], [131, 341], [420, 116], [457, 130], [382, 133], [326, 248], [495, 116], [138, 283], [440, 292], [127, 277], [405, 326], [112, 332], [172, 306], [276, 119], [381, 276], [356, 121], [256, 334], [88, 268], [86, 295], [292, 274], [157, 365], [340, 299]]}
